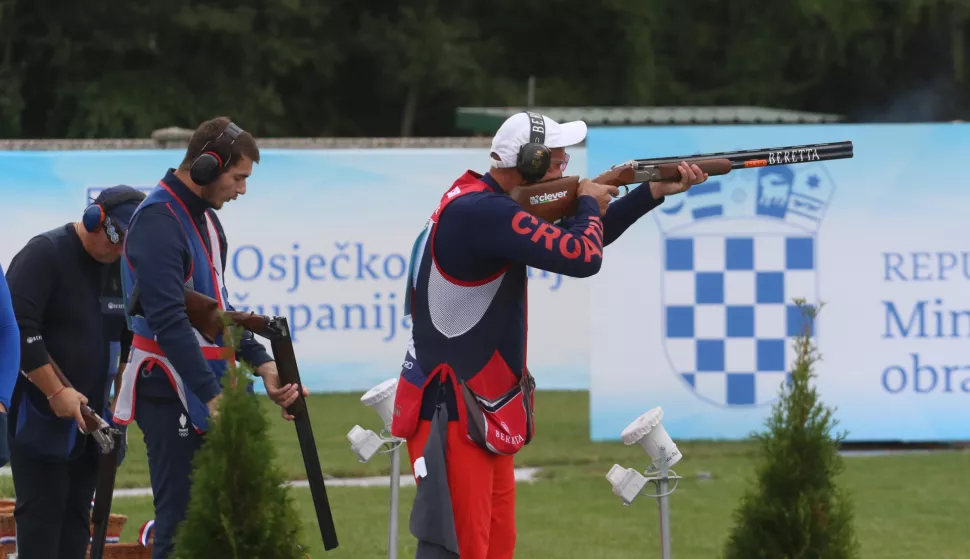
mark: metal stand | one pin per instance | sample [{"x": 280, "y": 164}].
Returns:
[
  {"x": 392, "y": 520},
  {"x": 395, "y": 493},
  {"x": 661, "y": 482}
]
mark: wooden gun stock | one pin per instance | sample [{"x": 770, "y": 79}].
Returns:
[
  {"x": 668, "y": 172},
  {"x": 206, "y": 316},
  {"x": 553, "y": 199}
]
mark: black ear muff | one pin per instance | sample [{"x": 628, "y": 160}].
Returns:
[
  {"x": 533, "y": 161},
  {"x": 210, "y": 164},
  {"x": 206, "y": 168},
  {"x": 534, "y": 158}
]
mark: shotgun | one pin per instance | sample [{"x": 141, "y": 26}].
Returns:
[
  {"x": 205, "y": 316},
  {"x": 109, "y": 440},
  {"x": 104, "y": 494},
  {"x": 554, "y": 199}
]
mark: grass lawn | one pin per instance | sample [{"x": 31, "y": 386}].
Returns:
[{"x": 906, "y": 505}]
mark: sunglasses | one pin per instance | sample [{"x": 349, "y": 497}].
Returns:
[
  {"x": 111, "y": 232},
  {"x": 561, "y": 163}
]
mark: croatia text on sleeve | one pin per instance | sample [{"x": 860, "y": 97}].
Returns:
[
  {"x": 624, "y": 212},
  {"x": 158, "y": 251},
  {"x": 9, "y": 345},
  {"x": 495, "y": 226},
  {"x": 30, "y": 278}
]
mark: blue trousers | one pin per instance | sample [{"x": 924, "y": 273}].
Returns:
[{"x": 170, "y": 446}]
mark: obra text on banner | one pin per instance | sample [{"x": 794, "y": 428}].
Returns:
[{"x": 926, "y": 318}]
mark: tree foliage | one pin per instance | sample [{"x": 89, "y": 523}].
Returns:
[
  {"x": 795, "y": 509},
  {"x": 239, "y": 507},
  {"x": 115, "y": 68}
]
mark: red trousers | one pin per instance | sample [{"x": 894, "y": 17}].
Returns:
[{"x": 482, "y": 487}]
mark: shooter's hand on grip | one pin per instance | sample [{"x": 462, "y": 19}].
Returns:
[
  {"x": 67, "y": 403},
  {"x": 603, "y": 193}
]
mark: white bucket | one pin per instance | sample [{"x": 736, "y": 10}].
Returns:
[
  {"x": 649, "y": 432},
  {"x": 381, "y": 398}
]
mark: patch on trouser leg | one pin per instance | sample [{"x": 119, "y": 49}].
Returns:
[{"x": 171, "y": 446}]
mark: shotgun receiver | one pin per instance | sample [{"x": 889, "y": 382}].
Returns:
[
  {"x": 555, "y": 199},
  {"x": 205, "y": 316}
]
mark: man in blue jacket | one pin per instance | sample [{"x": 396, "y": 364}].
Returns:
[
  {"x": 172, "y": 383},
  {"x": 65, "y": 289}
]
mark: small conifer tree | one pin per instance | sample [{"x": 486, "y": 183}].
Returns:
[
  {"x": 239, "y": 507},
  {"x": 795, "y": 510}
]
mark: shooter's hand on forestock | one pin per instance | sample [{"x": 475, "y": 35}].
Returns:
[
  {"x": 689, "y": 176},
  {"x": 283, "y": 396}
]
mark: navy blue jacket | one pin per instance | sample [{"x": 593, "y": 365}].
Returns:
[
  {"x": 477, "y": 238},
  {"x": 68, "y": 311},
  {"x": 159, "y": 249},
  {"x": 9, "y": 344}
]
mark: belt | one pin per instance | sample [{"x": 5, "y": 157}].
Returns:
[{"x": 211, "y": 353}]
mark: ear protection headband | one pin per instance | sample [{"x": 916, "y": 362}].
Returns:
[
  {"x": 96, "y": 215},
  {"x": 534, "y": 158},
  {"x": 209, "y": 164}
]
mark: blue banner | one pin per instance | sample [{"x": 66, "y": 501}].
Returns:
[
  {"x": 321, "y": 237},
  {"x": 693, "y": 309}
]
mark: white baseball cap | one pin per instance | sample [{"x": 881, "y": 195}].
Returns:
[{"x": 517, "y": 130}]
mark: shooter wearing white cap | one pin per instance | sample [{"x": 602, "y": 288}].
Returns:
[{"x": 464, "y": 399}]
